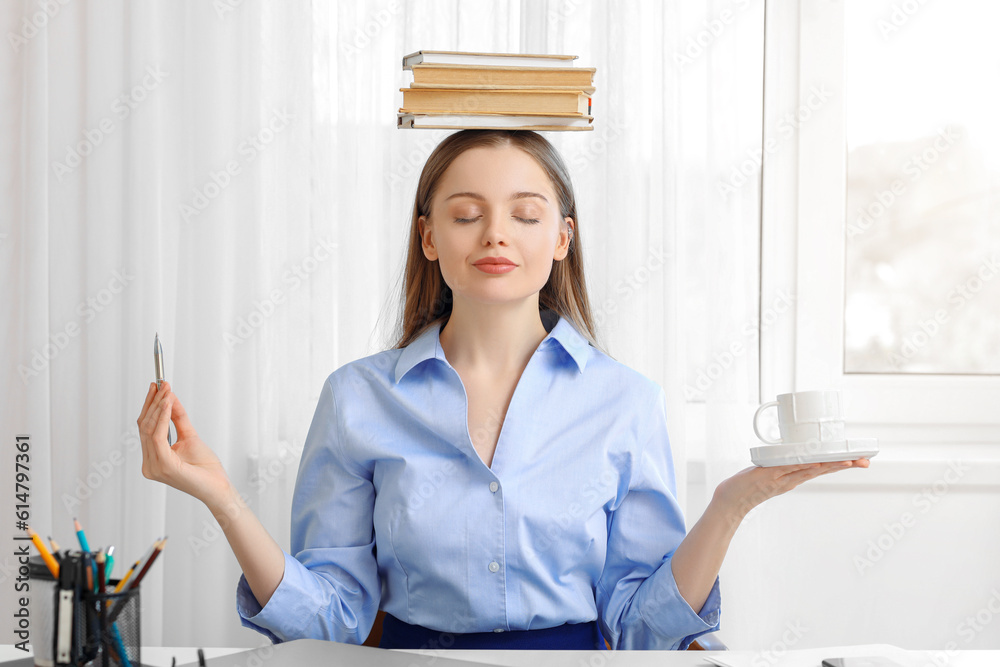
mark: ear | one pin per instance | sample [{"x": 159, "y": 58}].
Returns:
[
  {"x": 565, "y": 240},
  {"x": 426, "y": 238}
]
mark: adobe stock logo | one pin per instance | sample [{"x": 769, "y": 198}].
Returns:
[
  {"x": 87, "y": 310},
  {"x": 924, "y": 501},
  {"x": 38, "y": 22},
  {"x": 788, "y": 125},
  {"x": 121, "y": 107},
  {"x": 726, "y": 357},
  {"x": 363, "y": 35},
  {"x": 220, "y": 179},
  {"x": 263, "y": 309},
  {"x": 711, "y": 30},
  {"x": 915, "y": 166},
  {"x": 899, "y": 16}
]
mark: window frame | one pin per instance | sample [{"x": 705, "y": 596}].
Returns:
[{"x": 803, "y": 237}]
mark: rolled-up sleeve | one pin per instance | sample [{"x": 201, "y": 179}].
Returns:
[
  {"x": 638, "y": 603},
  {"x": 330, "y": 588}
]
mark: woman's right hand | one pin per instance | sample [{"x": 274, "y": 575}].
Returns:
[{"x": 188, "y": 465}]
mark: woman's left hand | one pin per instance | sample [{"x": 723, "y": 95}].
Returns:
[{"x": 739, "y": 494}]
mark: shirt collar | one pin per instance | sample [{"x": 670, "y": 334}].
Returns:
[{"x": 428, "y": 346}]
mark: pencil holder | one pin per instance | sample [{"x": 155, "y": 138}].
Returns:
[
  {"x": 71, "y": 624},
  {"x": 118, "y": 624},
  {"x": 42, "y": 591}
]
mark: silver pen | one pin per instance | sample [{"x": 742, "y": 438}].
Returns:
[{"x": 158, "y": 361}]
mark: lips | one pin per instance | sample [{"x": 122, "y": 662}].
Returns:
[{"x": 494, "y": 260}]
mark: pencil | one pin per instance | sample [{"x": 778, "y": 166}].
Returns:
[
  {"x": 53, "y": 544},
  {"x": 124, "y": 580},
  {"x": 141, "y": 563},
  {"x": 46, "y": 556},
  {"x": 100, "y": 572},
  {"x": 117, "y": 609},
  {"x": 80, "y": 535},
  {"x": 145, "y": 568},
  {"x": 92, "y": 574},
  {"x": 118, "y": 648}
]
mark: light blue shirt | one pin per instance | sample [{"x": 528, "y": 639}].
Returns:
[{"x": 575, "y": 519}]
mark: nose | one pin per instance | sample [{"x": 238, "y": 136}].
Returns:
[{"x": 498, "y": 229}]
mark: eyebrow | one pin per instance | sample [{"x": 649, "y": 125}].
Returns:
[{"x": 516, "y": 195}]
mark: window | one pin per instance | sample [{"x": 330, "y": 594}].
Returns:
[
  {"x": 884, "y": 82},
  {"x": 922, "y": 280}
]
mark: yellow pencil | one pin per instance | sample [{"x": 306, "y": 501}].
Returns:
[
  {"x": 46, "y": 556},
  {"x": 124, "y": 580}
]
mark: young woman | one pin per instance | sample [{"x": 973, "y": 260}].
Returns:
[{"x": 495, "y": 479}]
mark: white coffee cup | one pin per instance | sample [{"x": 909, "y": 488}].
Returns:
[{"x": 805, "y": 416}]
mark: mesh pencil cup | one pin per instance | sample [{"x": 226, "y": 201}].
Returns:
[
  {"x": 98, "y": 630},
  {"x": 41, "y": 606}
]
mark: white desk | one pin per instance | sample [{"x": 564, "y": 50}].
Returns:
[
  {"x": 800, "y": 658},
  {"x": 156, "y": 656}
]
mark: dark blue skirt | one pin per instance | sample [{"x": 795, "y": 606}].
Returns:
[{"x": 568, "y": 637}]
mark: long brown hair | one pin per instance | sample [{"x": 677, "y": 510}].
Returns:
[{"x": 426, "y": 297}]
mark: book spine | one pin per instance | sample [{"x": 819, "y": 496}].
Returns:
[{"x": 418, "y": 100}]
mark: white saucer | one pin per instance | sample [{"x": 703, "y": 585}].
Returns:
[{"x": 850, "y": 449}]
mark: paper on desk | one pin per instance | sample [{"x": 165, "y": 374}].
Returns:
[{"x": 813, "y": 657}]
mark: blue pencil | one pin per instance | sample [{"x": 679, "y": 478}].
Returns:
[
  {"x": 80, "y": 536},
  {"x": 85, "y": 547}
]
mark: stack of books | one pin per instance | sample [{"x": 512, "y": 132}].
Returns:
[{"x": 518, "y": 91}]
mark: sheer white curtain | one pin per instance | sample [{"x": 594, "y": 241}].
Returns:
[{"x": 229, "y": 175}]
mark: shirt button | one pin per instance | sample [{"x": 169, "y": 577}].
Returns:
[
  {"x": 494, "y": 566},
  {"x": 497, "y": 629},
  {"x": 494, "y": 486}
]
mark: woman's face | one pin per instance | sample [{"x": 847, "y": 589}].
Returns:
[{"x": 495, "y": 202}]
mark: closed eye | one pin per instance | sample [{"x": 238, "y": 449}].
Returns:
[{"x": 530, "y": 221}]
